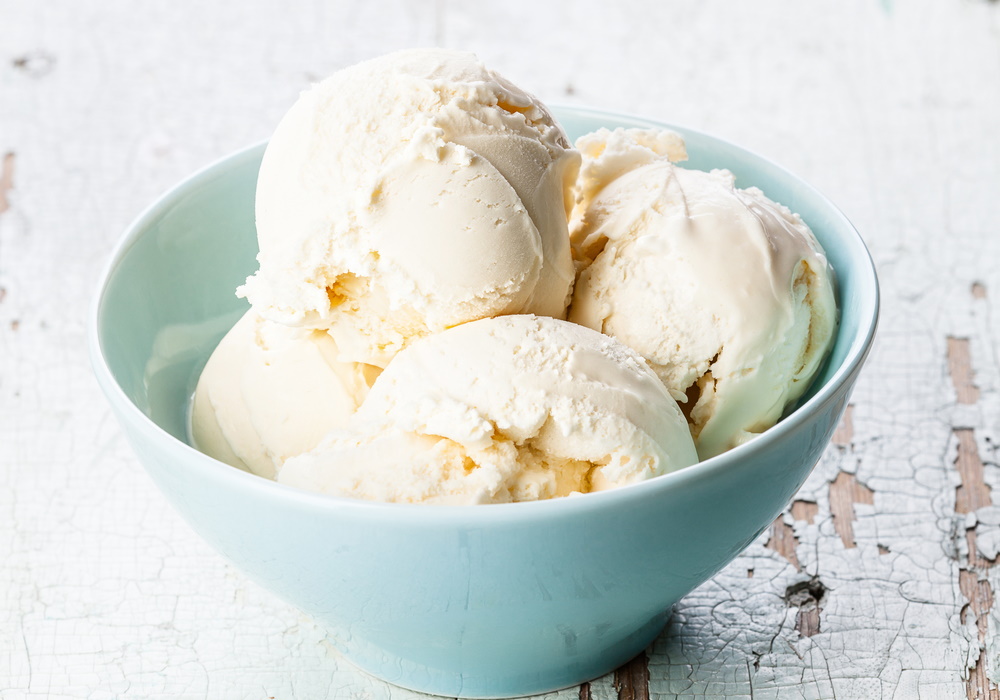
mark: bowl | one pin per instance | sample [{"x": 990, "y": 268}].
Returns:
[{"x": 467, "y": 601}]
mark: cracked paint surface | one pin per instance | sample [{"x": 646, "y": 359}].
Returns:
[{"x": 879, "y": 579}]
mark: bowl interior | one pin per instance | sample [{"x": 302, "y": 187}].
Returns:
[{"x": 169, "y": 290}]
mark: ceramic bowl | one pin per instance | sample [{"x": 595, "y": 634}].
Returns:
[{"x": 470, "y": 601}]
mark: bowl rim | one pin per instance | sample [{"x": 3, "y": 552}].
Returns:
[{"x": 865, "y": 278}]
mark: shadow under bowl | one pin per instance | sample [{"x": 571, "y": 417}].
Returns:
[{"x": 470, "y": 601}]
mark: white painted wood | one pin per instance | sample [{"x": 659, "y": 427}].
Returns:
[{"x": 890, "y": 107}]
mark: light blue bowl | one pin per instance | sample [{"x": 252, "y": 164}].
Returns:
[{"x": 470, "y": 601}]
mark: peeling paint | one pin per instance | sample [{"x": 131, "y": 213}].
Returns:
[
  {"x": 973, "y": 493},
  {"x": 979, "y": 686},
  {"x": 632, "y": 679},
  {"x": 960, "y": 368},
  {"x": 805, "y": 510},
  {"x": 978, "y": 290},
  {"x": 845, "y": 491},
  {"x": 973, "y": 498},
  {"x": 784, "y": 542},
  {"x": 979, "y": 594},
  {"x": 807, "y": 596}
]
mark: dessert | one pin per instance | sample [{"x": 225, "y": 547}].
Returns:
[
  {"x": 408, "y": 194},
  {"x": 515, "y": 408},
  {"x": 725, "y": 293},
  {"x": 422, "y": 223},
  {"x": 269, "y": 392}
]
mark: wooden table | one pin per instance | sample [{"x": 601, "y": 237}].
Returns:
[{"x": 878, "y": 581}]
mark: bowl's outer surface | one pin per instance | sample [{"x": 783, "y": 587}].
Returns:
[{"x": 476, "y": 601}]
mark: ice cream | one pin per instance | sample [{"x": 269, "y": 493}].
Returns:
[
  {"x": 514, "y": 408},
  {"x": 412, "y": 217},
  {"x": 269, "y": 392},
  {"x": 408, "y": 194},
  {"x": 724, "y": 292}
]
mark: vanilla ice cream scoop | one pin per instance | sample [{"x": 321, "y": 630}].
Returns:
[
  {"x": 725, "y": 293},
  {"x": 514, "y": 408},
  {"x": 269, "y": 392},
  {"x": 408, "y": 194}
]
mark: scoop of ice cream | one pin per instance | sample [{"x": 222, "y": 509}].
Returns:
[
  {"x": 514, "y": 408},
  {"x": 408, "y": 194},
  {"x": 727, "y": 294},
  {"x": 269, "y": 392}
]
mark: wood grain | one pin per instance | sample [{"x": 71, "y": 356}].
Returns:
[
  {"x": 805, "y": 510},
  {"x": 960, "y": 368},
  {"x": 632, "y": 679},
  {"x": 784, "y": 542},
  {"x": 973, "y": 492},
  {"x": 845, "y": 491}
]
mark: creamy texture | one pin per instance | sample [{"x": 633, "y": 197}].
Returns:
[
  {"x": 408, "y": 194},
  {"x": 514, "y": 408},
  {"x": 269, "y": 392},
  {"x": 727, "y": 294}
]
